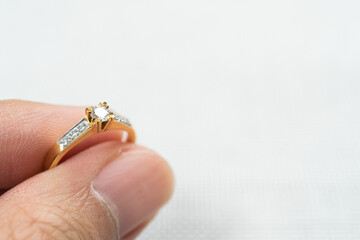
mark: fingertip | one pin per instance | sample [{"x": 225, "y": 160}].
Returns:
[{"x": 136, "y": 184}]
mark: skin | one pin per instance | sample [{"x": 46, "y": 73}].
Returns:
[{"x": 106, "y": 189}]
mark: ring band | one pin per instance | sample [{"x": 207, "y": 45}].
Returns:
[{"x": 97, "y": 119}]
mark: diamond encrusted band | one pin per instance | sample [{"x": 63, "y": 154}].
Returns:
[
  {"x": 97, "y": 119},
  {"x": 80, "y": 128},
  {"x": 73, "y": 133}
]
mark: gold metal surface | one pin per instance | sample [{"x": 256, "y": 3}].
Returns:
[{"x": 55, "y": 154}]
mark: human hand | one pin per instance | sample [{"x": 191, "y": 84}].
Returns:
[{"x": 106, "y": 189}]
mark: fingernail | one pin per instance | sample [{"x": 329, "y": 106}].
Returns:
[{"x": 135, "y": 185}]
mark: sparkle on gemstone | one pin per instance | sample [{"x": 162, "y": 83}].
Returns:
[{"x": 100, "y": 113}]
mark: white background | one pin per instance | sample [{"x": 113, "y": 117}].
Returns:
[{"x": 255, "y": 104}]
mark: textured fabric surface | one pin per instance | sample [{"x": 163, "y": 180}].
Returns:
[{"x": 255, "y": 104}]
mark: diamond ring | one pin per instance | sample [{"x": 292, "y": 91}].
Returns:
[{"x": 97, "y": 119}]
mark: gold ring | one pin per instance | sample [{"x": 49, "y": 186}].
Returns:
[{"x": 97, "y": 119}]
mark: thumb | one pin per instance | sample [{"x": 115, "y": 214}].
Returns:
[{"x": 106, "y": 192}]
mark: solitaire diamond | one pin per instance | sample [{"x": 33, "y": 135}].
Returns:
[{"x": 101, "y": 113}]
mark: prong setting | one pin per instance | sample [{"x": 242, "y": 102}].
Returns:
[{"x": 100, "y": 117}]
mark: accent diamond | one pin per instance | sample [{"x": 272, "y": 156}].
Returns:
[
  {"x": 122, "y": 119},
  {"x": 73, "y": 133}
]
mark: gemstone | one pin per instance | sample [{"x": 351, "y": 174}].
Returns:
[
  {"x": 122, "y": 119},
  {"x": 73, "y": 133},
  {"x": 100, "y": 113}
]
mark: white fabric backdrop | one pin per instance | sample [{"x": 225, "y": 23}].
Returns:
[{"x": 255, "y": 103}]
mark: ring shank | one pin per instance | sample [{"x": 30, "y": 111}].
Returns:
[{"x": 56, "y": 153}]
